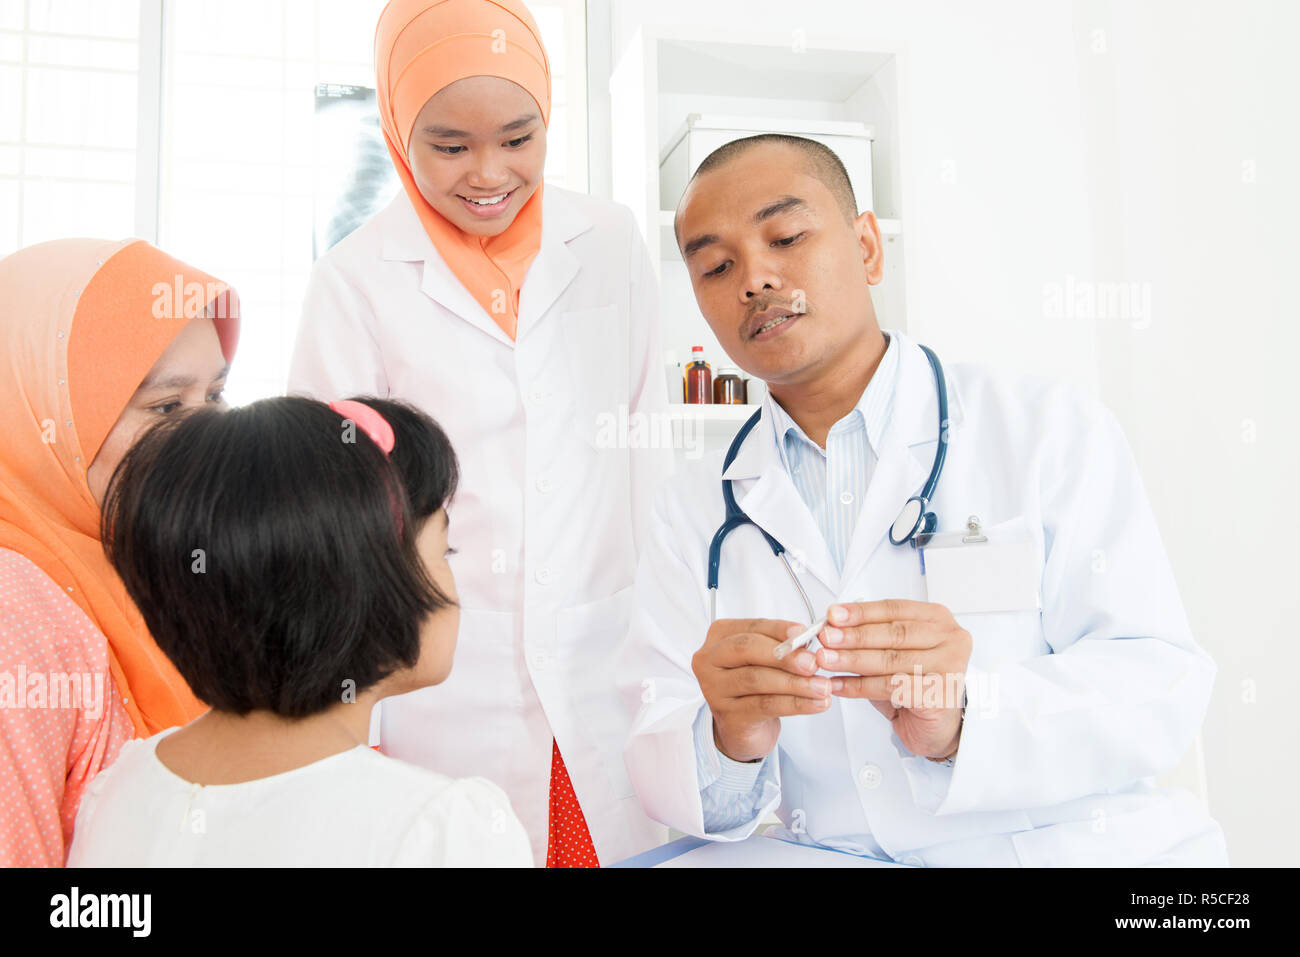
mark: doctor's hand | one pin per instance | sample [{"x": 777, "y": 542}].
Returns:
[
  {"x": 749, "y": 690},
  {"x": 909, "y": 658}
]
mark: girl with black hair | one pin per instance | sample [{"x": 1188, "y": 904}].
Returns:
[{"x": 289, "y": 558}]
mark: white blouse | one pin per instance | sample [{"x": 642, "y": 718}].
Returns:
[{"x": 356, "y": 808}]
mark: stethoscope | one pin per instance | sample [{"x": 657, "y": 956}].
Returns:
[{"x": 912, "y": 521}]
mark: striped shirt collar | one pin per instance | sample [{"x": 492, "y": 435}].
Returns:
[{"x": 872, "y": 410}]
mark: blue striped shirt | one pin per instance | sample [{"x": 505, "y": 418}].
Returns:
[{"x": 832, "y": 482}]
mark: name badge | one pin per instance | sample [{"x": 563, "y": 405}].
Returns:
[{"x": 982, "y": 570}]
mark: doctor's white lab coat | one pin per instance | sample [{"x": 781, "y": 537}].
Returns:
[
  {"x": 1070, "y": 711},
  {"x": 551, "y": 504}
]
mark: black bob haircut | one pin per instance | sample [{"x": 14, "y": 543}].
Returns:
[
  {"x": 272, "y": 548},
  {"x": 821, "y": 161}
]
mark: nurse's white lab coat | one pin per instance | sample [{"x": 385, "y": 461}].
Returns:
[
  {"x": 551, "y": 503},
  {"x": 1070, "y": 711}
]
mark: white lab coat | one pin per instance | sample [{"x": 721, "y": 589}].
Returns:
[
  {"x": 551, "y": 503},
  {"x": 1093, "y": 696}
]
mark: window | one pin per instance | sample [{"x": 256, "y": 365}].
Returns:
[
  {"x": 239, "y": 170},
  {"x": 190, "y": 123},
  {"x": 68, "y": 69}
]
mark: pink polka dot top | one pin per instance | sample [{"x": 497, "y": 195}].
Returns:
[{"x": 61, "y": 714}]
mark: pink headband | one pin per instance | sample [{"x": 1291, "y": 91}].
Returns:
[
  {"x": 380, "y": 432},
  {"x": 371, "y": 422}
]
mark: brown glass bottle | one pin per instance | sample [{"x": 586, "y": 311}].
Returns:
[
  {"x": 729, "y": 387},
  {"x": 698, "y": 385}
]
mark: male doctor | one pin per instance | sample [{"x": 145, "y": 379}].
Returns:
[{"x": 1018, "y": 721}]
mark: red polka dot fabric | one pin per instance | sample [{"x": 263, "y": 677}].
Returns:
[{"x": 568, "y": 842}]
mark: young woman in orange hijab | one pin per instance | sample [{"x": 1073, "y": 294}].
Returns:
[
  {"x": 101, "y": 339},
  {"x": 524, "y": 318}
]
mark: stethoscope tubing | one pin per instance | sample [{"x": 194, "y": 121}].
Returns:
[{"x": 735, "y": 516}]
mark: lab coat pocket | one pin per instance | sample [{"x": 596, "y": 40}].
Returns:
[
  {"x": 588, "y": 638},
  {"x": 996, "y": 568},
  {"x": 1014, "y": 631},
  {"x": 599, "y": 383},
  {"x": 1004, "y": 637}
]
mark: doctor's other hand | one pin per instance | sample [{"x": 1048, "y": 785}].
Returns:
[
  {"x": 749, "y": 690},
  {"x": 909, "y": 658}
]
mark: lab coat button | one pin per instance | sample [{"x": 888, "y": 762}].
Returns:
[
  {"x": 540, "y": 660},
  {"x": 544, "y": 484},
  {"x": 543, "y": 576},
  {"x": 536, "y": 397},
  {"x": 870, "y": 776},
  {"x": 913, "y": 861}
]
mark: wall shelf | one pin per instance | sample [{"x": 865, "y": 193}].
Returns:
[
  {"x": 712, "y": 413},
  {"x": 667, "y": 73}
]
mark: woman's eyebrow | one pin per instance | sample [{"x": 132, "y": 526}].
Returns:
[
  {"x": 178, "y": 381},
  {"x": 449, "y": 132},
  {"x": 519, "y": 123}
]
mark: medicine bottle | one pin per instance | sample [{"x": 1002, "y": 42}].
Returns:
[
  {"x": 729, "y": 387},
  {"x": 698, "y": 384}
]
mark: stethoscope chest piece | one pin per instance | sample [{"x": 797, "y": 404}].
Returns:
[{"x": 912, "y": 520}]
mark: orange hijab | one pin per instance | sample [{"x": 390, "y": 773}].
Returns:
[
  {"x": 422, "y": 46},
  {"x": 82, "y": 322}
]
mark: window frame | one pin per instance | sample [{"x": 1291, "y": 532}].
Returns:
[{"x": 152, "y": 105}]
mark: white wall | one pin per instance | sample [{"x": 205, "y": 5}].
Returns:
[
  {"x": 1041, "y": 156},
  {"x": 993, "y": 186},
  {"x": 1193, "y": 162}
]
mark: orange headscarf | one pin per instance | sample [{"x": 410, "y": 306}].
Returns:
[
  {"x": 422, "y": 46},
  {"x": 82, "y": 322}
]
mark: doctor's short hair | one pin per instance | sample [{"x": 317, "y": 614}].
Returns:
[
  {"x": 271, "y": 548},
  {"x": 822, "y": 163}
]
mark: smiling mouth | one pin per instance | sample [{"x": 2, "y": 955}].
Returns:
[
  {"x": 486, "y": 200},
  {"x": 485, "y": 206}
]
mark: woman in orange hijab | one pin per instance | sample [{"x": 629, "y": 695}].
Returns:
[
  {"x": 524, "y": 318},
  {"x": 101, "y": 339}
]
